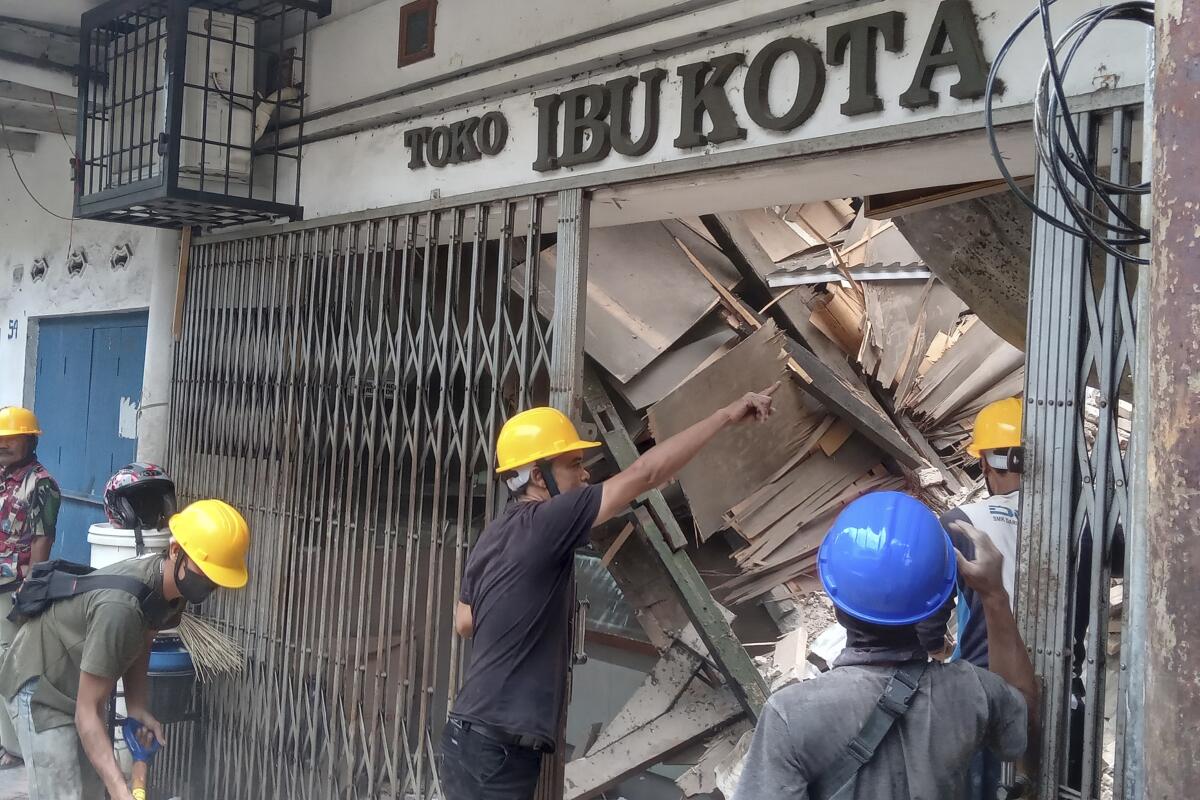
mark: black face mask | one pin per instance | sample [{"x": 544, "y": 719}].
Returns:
[{"x": 194, "y": 586}]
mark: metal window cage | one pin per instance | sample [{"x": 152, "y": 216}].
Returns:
[{"x": 191, "y": 111}]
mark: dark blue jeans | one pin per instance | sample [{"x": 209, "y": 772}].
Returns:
[{"x": 474, "y": 767}]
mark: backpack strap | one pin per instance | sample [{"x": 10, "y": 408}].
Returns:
[
  {"x": 837, "y": 783},
  {"x": 63, "y": 585}
]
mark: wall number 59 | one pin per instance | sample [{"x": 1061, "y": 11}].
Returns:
[{"x": 12, "y": 328}]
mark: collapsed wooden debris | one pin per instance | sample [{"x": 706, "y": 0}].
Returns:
[{"x": 883, "y": 370}]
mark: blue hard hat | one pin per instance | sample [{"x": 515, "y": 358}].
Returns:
[{"x": 887, "y": 560}]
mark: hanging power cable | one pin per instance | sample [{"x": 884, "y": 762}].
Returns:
[
  {"x": 1061, "y": 150},
  {"x": 20, "y": 178}
]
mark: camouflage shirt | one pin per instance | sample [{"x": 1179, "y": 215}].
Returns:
[{"x": 29, "y": 501}]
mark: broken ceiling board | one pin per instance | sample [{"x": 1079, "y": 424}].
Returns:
[
  {"x": 702, "y": 778},
  {"x": 806, "y": 492},
  {"x": 642, "y": 295},
  {"x": 739, "y": 458},
  {"x": 972, "y": 364},
  {"x": 821, "y": 221},
  {"x": 794, "y": 308},
  {"x": 655, "y": 697},
  {"x": 895, "y": 311},
  {"x": 778, "y": 239},
  {"x": 699, "y": 712},
  {"x": 888, "y": 246},
  {"x": 665, "y": 373}
]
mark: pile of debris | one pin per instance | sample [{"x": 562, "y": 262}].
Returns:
[{"x": 884, "y": 370}]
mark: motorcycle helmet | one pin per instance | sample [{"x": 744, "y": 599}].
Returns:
[{"x": 139, "y": 496}]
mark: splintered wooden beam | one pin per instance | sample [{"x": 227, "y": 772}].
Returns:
[{"x": 826, "y": 387}]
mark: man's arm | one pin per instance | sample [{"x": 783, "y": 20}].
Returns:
[
  {"x": 1007, "y": 656},
  {"x": 464, "y": 621},
  {"x": 39, "y": 549},
  {"x": 660, "y": 463},
  {"x": 137, "y": 691},
  {"x": 90, "y": 713},
  {"x": 43, "y": 510}
]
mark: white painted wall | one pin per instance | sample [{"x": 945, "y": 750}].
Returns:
[
  {"x": 27, "y": 233},
  {"x": 355, "y": 56},
  {"x": 369, "y": 169}
]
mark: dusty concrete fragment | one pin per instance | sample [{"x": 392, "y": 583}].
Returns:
[{"x": 980, "y": 249}]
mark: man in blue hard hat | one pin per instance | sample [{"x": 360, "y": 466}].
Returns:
[{"x": 886, "y": 722}]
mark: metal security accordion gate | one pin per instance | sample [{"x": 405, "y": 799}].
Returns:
[
  {"x": 343, "y": 383},
  {"x": 1082, "y": 565}
]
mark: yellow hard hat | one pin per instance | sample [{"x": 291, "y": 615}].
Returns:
[
  {"x": 216, "y": 537},
  {"x": 534, "y": 435},
  {"x": 17, "y": 421},
  {"x": 997, "y": 427}
]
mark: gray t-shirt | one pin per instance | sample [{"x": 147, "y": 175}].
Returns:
[{"x": 805, "y": 728}]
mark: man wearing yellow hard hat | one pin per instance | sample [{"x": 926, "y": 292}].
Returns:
[
  {"x": 29, "y": 502},
  {"x": 996, "y": 442},
  {"x": 515, "y": 600},
  {"x": 62, "y": 667}
]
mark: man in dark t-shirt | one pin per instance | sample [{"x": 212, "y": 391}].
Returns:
[{"x": 515, "y": 602}]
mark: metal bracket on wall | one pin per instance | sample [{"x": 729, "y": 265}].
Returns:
[{"x": 662, "y": 531}]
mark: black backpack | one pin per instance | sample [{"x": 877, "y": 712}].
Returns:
[{"x": 51, "y": 581}]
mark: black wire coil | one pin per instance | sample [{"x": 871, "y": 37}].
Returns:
[{"x": 1060, "y": 150}]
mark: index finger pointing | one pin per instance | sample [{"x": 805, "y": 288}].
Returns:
[{"x": 770, "y": 390}]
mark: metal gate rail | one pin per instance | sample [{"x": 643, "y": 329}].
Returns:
[
  {"x": 1075, "y": 510},
  {"x": 343, "y": 385}
]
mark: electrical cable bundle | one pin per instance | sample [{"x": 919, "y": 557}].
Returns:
[{"x": 1060, "y": 150}]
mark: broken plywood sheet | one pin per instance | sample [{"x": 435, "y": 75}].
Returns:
[
  {"x": 975, "y": 361},
  {"x": 740, "y": 458},
  {"x": 663, "y": 374},
  {"x": 778, "y": 239},
  {"x": 643, "y": 294},
  {"x": 902, "y": 315},
  {"x": 821, "y": 221}
]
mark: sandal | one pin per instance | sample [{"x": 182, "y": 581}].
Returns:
[{"x": 10, "y": 760}]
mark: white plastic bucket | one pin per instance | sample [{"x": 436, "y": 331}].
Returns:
[{"x": 110, "y": 545}]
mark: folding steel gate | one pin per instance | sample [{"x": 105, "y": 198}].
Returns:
[
  {"x": 343, "y": 385},
  {"x": 1080, "y": 526}
]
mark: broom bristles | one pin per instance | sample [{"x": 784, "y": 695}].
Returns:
[{"x": 213, "y": 652}]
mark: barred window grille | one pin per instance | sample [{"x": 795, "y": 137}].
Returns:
[{"x": 192, "y": 110}]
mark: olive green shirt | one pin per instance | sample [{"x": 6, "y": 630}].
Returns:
[{"x": 101, "y": 632}]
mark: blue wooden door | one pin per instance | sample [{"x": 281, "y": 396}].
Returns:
[{"x": 89, "y": 382}]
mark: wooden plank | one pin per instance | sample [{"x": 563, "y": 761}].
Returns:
[
  {"x": 185, "y": 255},
  {"x": 617, "y": 544},
  {"x": 835, "y": 437}
]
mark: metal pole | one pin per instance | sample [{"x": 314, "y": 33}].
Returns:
[
  {"x": 566, "y": 394},
  {"x": 1129, "y": 774},
  {"x": 570, "y": 303},
  {"x": 1173, "y": 457}
]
